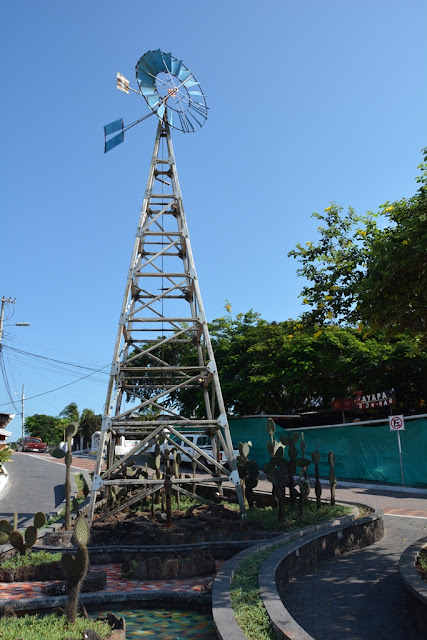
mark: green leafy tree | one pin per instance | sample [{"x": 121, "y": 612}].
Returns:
[
  {"x": 359, "y": 273},
  {"x": 48, "y": 428},
  {"x": 89, "y": 423}
]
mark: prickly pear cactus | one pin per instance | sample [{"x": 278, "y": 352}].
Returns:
[
  {"x": 248, "y": 471},
  {"x": 276, "y": 470},
  {"x": 315, "y": 456},
  {"x": 292, "y": 467},
  {"x": 24, "y": 543},
  {"x": 332, "y": 478}
]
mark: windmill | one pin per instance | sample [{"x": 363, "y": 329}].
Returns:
[{"x": 163, "y": 358}]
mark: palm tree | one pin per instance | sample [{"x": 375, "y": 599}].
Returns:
[{"x": 70, "y": 412}]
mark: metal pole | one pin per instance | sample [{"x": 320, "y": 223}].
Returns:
[
  {"x": 400, "y": 457},
  {"x": 23, "y": 412}
]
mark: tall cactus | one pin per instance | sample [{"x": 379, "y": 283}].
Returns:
[
  {"x": 332, "y": 478},
  {"x": 76, "y": 567},
  {"x": 70, "y": 432},
  {"x": 248, "y": 471}
]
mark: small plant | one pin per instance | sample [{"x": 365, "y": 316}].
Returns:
[
  {"x": 76, "y": 567},
  {"x": 5, "y": 454}
]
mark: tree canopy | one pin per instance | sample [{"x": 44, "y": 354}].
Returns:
[
  {"x": 294, "y": 366},
  {"x": 48, "y": 428},
  {"x": 360, "y": 273}
]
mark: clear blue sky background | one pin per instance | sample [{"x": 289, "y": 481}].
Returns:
[{"x": 310, "y": 102}]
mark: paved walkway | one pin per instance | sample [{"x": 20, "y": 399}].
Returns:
[{"x": 358, "y": 596}]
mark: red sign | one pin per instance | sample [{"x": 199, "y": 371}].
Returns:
[{"x": 364, "y": 401}]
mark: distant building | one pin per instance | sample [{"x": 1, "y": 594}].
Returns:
[{"x": 5, "y": 419}]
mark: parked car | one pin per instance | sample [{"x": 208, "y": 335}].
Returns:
[
  {"x": 34, "y": 444},
  {"x": 203, "y": 442}
]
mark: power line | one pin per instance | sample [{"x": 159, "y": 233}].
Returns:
[{"x": 61, "y": 387}]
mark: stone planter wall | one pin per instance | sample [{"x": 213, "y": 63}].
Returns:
[{"x": 414, "y": 585}]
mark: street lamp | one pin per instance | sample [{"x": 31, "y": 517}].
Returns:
[{"x": 5, "y": 301}]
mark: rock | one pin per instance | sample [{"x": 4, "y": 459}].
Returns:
[
  {"x": 154, "y": 568},
  {"x": 7, "y": 575},
  {"x": 170, "y": 569},
  {"x": 58, "y": 539},
  {"x": 94, "y": 581},
  {"x": 205, "y": 565},
  {"x": 49, "y": 571},
  {"x": 187, "y": 569},
  {"x": 89, "y": 634},
  {"x": 7, "y": 612}
]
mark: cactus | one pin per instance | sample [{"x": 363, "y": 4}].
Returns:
[
  {"x": 276, "y": 470},
  {"x": 248, "y": 471},
  {"x": 175, "y": 466},
  {"x": 332, "y": 478},
  {"x": 70, "y": 432},
  {"x": 303, "y": 463},
  {"x": 5, "y": 531},
  {"x": 22, "y": 543},
  {"x": 154, "y": 463},
  {"x": 76, "y": 567},
  {"x": 315, "y": 456},
  {"x": 292, "y": 467},
  {"x": 273, "y": 445}
]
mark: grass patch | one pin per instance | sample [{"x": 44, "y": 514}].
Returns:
[
  {"x": 422, "y": 559},
  {"x": 268, "y": 520},
  {"x": 246, "y": 600},
  {"x": 50, "y": 627},
  {"x": 33, "y": 559}
]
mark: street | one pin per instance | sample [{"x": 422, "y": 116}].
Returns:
[{"x": 36, "y": 483}]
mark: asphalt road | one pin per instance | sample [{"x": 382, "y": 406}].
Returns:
[{"x": 35, "y": 484}]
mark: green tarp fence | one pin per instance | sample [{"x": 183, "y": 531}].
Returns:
[{"x": 365, "y": 452}]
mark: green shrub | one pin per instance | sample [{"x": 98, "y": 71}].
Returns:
[{"x": 50, "y": 627}]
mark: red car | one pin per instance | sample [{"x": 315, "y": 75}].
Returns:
[{"x": 34, "y": 444}]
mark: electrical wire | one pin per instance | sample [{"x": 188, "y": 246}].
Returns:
[{"x": 44, "y": 393}]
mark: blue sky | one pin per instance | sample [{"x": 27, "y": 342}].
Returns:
[{"x": 310, "y": 102}]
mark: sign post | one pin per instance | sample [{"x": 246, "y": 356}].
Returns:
[{"x": 397, "y": 423}]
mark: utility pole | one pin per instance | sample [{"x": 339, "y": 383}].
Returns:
[
  {"x": 23, "y": 413},
  {"x": 3, "y": 302}
]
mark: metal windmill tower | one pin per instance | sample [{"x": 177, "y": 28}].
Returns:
[{"x": 163, "y": 352}]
